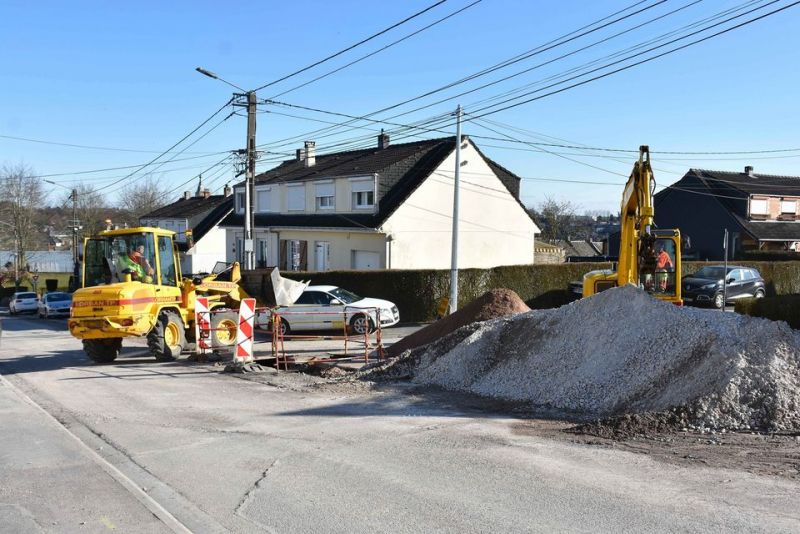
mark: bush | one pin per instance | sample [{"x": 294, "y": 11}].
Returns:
[
  {"x": 778, "y": 308},
  {"x": 417, "y": 292}
]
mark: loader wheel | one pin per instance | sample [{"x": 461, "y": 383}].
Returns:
[
  {"x": 223, "y": 328},
  {"x": 102, "y": 350},
  {"x": 167, "y": 339}
]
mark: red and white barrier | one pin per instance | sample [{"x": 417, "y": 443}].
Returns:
[
  {"x": 244, "y": 334},
  {"x": 202, "y": 325}
]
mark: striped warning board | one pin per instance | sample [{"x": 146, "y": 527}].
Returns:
[
  {"x": 244, "y": 334},
  {"x": 202, "y": 324}
]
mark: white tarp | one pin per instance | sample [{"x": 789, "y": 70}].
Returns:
[{"x": 286, "y": 291}]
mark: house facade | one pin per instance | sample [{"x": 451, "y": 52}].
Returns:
[
  {"x": 387, "y": 207},
  {"x": 760, "y": 211},
  {"x": 195, "y": 220}
]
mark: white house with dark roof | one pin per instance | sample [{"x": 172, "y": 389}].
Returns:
[
  {"x": 195, "y": 219},
  {"x": 760, "y": 211},
  {"x": 387, "y": 207}
]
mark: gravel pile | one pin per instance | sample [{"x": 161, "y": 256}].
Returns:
[
  {"x": 622, "y": 352},
  {"x": 491, "y": 305}
]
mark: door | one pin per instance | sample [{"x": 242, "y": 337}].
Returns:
[
  {"x": 364, "y": 260},
  {"x": 736, "y": 288},
  {"x": 322, "y": 256}
]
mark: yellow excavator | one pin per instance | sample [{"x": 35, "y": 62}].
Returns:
[
  {"x": 649, "y": 258},
  {"x": 132, "y": 286}
]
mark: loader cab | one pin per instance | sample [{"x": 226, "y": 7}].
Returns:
[
  {"x": 145, "y": 255},
  {"x": 659, "y": 266}
]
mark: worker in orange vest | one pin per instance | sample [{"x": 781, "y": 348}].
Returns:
[{"x": 663, "y": 265}]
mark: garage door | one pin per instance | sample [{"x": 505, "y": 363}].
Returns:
[{"x": 363, "y": 259}]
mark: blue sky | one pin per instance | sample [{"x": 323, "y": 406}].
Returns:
[{"x": 121, "y": 75}]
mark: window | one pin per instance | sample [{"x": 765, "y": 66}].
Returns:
[
  {"x": 297, "y": 197},
  {"x": 166, "y": 257},
  {"x": 758, "y": 206},
  {"x": 240, "y": 201},
  {"x": 263, "y": 200},
  {"x": 239, "y": 250},
  {"x": 789, "y": 206},
  {"x": 325, "y": 196},
  {"x": 181, "y": 236},
  {"x": 363, "y": 194},
  {"x": 261, "y": 253},
  {"x": 313, "y": 297},
  {"x": 293, "y": 255}
]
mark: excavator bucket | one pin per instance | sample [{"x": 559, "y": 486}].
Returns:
[{"x": 286, "y": 291}]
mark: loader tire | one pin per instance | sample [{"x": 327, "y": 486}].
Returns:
[
  {"x": 102, "y": 350},
  {"x": 167, "y": 339},
  {"x": 223, "y": 328}
]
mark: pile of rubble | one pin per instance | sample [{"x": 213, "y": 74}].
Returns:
[{"x": 622, "y": 352}]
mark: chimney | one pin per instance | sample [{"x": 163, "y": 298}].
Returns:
[
  {"x": 301, "y": 154},
  {"x": 749, "y": 171},
  {"x": 383, "y": 140},
  {"x": 206, "y": 193},
  {"x": 310, "y": 152},
  {"x": 187, "y": 195},
  {"x": 227, "y": 191}
]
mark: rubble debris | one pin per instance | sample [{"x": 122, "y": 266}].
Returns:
[
  {"x": 623, "y": 352},
  {"x": 490, "y": 305}
]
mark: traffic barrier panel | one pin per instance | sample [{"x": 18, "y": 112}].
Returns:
[{"x": 244, "y": 334}]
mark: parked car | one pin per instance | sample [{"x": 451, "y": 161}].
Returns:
[
  {"x": 54, "y": 304},
  {"x": 20, "y": 302},
  {"x": 705, "y": 286},
  {"x": 331, "y": 308}
]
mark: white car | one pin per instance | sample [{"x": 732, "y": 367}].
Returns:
[
  {"x": 27, "y": 301},
  {"x": 54, "y": 304},
  {"x": 331, "y": 308}
]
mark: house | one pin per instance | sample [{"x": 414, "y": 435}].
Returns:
[
  {"x": 386, "y": 207},
  {"x": 760, "y": 211},
  {"x": 195, "y": 220},
  {"x": 580, "y": 249}
]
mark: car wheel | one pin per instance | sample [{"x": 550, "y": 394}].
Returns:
[
  {"x": 719, "y": 301},
  {"x": 759, "y": 294},
  {"x": 361, "y": 324}
]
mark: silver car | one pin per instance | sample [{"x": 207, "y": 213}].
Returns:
[
  {"x": 54, "y": 304},
  {"x": 21, "y": 302}
]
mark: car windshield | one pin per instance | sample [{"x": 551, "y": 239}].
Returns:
[
  {"x": 710, "y": 273},
  {"x": 58, "y": 297},
  {"x": 26, "y": 295},
  {"x": 344, "y": 295}
]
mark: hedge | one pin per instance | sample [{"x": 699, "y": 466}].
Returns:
[
  {"x": 778, "y": 308},
  {"x": 417, "y": 292}
]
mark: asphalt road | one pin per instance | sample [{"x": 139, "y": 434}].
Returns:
[{"x": 140, "y": 446}]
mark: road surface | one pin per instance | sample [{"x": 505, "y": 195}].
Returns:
[{"x": 141, "y": 446}]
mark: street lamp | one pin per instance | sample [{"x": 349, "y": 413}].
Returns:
[
  {"x": 75, "y": 227},
  {"x": 249, "y": 98}
]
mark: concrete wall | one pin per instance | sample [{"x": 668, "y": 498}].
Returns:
[{"x": 494, "y": 228}]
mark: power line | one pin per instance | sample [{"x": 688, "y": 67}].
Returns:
[
  {"x": 72, "y": 145},
  {"x": 398, "y": 41},
  {"x": 363, "y": 41}
]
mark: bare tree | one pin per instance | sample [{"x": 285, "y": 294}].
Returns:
[
  {"x": 556, "y": 218},
  {"x": 142, "y": 197},
  {"x": 92, "y": 209},
  {"x": 21, "y": 197}
]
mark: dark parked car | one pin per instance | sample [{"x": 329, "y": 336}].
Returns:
[{"x": 705, "y": 286}]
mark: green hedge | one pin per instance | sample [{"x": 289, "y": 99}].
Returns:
[
  {"x": 778, "y": 308},
  {"x": 417, "y": 292}
]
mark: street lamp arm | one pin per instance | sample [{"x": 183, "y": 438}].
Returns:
[{"x": 210, "y": 74}]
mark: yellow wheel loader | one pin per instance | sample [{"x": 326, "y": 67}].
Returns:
[{"x": 132, "y": 286}]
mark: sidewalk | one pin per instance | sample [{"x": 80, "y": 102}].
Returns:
[{"x": 50, "y": 482}]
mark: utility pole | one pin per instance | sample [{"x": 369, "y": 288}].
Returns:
[
  {"x": 248, "y": 255},
  {"x": 454, "y": 248},
  {"x": 75, "y": 262},
  {"x": 249, "y": 197}
]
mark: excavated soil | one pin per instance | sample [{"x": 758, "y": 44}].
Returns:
[
  {"x": 622, "y": 352},
  {"x": 491, "y": 305}
]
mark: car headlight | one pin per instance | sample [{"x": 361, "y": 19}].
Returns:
[{"x": 709, "y": 286}]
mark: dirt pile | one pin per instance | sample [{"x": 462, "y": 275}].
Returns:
[
  {"x": 490, "y": 305},
  {"x": 623, "y": 352}
]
